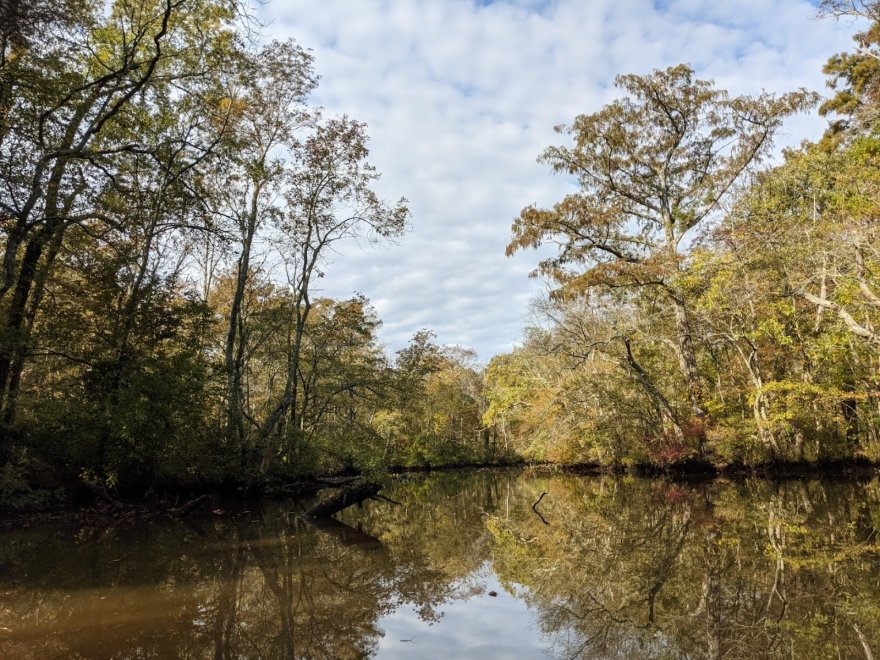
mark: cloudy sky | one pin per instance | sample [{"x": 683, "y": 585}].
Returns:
[{"x": 462, "y": 95}]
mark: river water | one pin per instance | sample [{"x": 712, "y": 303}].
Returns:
[{"x": 462, "y": 565}]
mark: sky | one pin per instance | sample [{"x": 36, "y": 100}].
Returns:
[{"x": 461, "y": 96}]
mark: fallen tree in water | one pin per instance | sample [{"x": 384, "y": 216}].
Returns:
[
  {"x": 188, "y": 507},
  {"x": 342, "y": 500}
]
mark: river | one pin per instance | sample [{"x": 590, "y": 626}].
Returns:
[{"x": 466, "y": 565}]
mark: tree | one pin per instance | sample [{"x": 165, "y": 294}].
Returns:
[
  {"x": 265, "y": 97},
  {"x": 435, "y": 405},
  {"x": 80, "y": 87},
  {"x": 343, "y": 377},
  {"x": 794, "y": 289},
  {"x": 651, "y": 167},
  {"x": 328, "y": 198},
  {"x": 854, "y": 77}
]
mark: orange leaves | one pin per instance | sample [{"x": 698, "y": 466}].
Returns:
[{"x": 651, "y": 166}]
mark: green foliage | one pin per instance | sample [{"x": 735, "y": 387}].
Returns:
[
  {"x": 854, "y": 77},
  {"x": 434, "y": 410},
  {"x": 754, "y": 343},
  {"x": 171, "y": 199},
  {"x": 17, "y": 491}
]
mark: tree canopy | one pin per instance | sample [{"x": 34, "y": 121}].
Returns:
[{"x": 172, "y": 197}]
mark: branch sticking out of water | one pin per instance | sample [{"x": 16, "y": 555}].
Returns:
[
  {"x": 538, "y": 513},
  {"x": 386, "y": 499}
]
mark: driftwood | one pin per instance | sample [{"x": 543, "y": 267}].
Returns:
[
  {"x": 188, "y": 507},
  {"x": 342, "y": 500}
]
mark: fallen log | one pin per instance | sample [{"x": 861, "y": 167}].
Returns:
[
  {"x": 184, "y": 509},
  {"x": 342, "y": 500}
]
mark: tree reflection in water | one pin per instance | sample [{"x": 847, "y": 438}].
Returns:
[
  {"x": 634, "y": 568},
  {"x": 626, "y": 568}
]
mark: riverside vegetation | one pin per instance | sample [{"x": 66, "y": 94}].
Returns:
[{"x": 170, "y": 196}]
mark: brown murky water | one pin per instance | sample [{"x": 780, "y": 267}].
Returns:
[{"x": 463, "y": 567}]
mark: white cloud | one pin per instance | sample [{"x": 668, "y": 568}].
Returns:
[{"x": 461, "y": 97}]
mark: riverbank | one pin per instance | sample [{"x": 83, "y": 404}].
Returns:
[{"x": 85, "y": 506}]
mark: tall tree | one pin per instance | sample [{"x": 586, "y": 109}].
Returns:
[
  {"x": 266, "y": 101},
  {"x": 651, "y": 166},
  {"x": 329, "y": 198}
]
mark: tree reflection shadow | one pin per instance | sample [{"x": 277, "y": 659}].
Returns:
[
  {"x": 638, "y": 568},
  {"x": 628, "y": 568}
]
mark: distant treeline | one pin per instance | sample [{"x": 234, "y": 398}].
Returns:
[{"x": 170, "y": 196}]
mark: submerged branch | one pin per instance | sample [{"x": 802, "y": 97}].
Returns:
[{"x": 538, "y": 513}]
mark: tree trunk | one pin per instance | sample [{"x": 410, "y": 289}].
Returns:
[
  {"x": 759, "y": 406},
  {"x": 670, "y": 419},
  {"x": 14, "y": 327},
  {"x": 234, "y": 353},
  {"x": 288, "y": 401},
  {"x": 687, "y": 358},
  {"x": 343, "y": 500}
]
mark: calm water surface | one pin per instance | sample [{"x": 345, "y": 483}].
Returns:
[{"x": 463, "y": 567}]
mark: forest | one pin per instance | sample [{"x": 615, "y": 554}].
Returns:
[{"x": 170, "y": 197}]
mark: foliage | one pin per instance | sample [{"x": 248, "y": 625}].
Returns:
[
  {"x": 172, "y": 199},
  {"x": 682, "y": 329}
]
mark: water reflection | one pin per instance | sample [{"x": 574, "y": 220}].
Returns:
[{"x": 463, "y": 567}]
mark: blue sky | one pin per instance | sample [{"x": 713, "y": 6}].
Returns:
[{"x": 462, "y": 95}]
